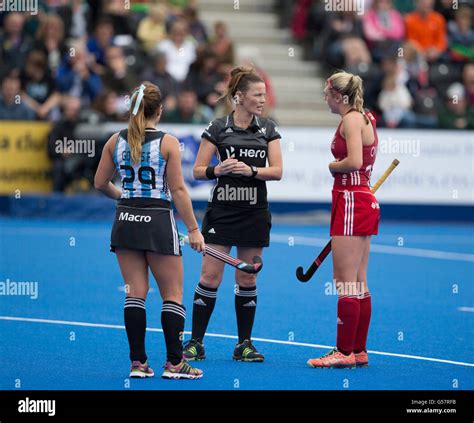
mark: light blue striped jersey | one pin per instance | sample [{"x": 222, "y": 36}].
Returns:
[{"x": 146, "y": 179}]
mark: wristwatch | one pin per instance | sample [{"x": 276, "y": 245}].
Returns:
[{"x": 254, "y": 171}]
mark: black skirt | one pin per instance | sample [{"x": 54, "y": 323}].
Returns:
[
  {"x": 237, "y": 227},
  {"x": 145, "y": 224}
]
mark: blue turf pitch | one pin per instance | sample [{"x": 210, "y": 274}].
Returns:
[{"x": 419, "y": 290}]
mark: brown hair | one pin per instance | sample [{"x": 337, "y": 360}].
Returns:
[
  {"x": 349, "y": 86},
  {"x": 45, "y": 22},
  {"x": 240, "y": 79},
  {"x": 148, "y": 107}
]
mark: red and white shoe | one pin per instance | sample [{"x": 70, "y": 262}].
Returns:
[
  {"x": 334, "y": 359},
  {"x": 362, "y": 359}
]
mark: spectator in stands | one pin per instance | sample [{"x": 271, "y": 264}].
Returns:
[
  {"x": 152, "y": 29},
  {"x": 108, "y": 105},
  {"x": 158, "y": 75},
  {"x": 118, "y": 77},
  {"x": 344, "y": 45},
  {"x": 50, "y": 39},
  {"x": 179, "y": 49},
  {"x": 203, "y": 77},
  {"x": 468, "y": 81},
  {"x": 75, "y": 15},
  {"x": 446, "y": 8},
  {"x": 461, "y": 35},
  {"x": 67, "y": 166},
  {"x": 38, "y": 87},
  {"x": 76, "y": 76},
  {"x": 221, "y": 44},
  {"x": 14, "y": 45},
  {"x": 395, "y": 103},
  {"x": 415, "y": 66},
  {"x": 119, "y": 15},
  {"x": 97, "y": 45},
  {"x": 196, "y": 28},
  {"x": 383, "y": 27},
  {"x": 223, "y": 107},
  {"x": 456, "y": 114},
  {"x": 188, "y": 109},
  {"x": 427, "y": 30},
  {"x": 11, "y": 105}
]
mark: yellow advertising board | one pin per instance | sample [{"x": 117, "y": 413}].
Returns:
[{"x": 24, "y": 162}]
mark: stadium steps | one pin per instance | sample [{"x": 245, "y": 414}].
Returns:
[{"x": 253, "y": 26}]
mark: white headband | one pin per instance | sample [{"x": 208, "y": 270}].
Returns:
[{"x": 141, "y": 92}]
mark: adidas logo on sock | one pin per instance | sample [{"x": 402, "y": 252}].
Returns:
[
  {"x": 200, "y": 302},
  {"x": 251, "y": 304},
  {"x": 211, "y": 231},
  {"x": 339, "y": 321}
]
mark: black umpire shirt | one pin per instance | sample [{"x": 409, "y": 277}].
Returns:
[{"x": 246, "y": 145}]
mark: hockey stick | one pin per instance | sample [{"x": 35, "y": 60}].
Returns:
[
  {"x": 306, "y": 276},
  {"x": 255, "y": 267}
]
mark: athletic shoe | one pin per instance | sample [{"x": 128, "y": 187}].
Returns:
[
  {"x": 334, "y": 359},
  {"x": 183, "y": 370},
  {"x": 247, "y": 352},
  {"x": 194, "y": 350},
  {"x": 362, "y": 359},
  {"x": 141, "y": 370}
]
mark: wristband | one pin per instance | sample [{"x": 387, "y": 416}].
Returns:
[
  {"x": 210, "y": 172},
  {"x": 192, "y": 230}
]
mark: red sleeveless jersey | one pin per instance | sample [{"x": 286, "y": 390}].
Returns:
[{"x": 359, "y": 179}]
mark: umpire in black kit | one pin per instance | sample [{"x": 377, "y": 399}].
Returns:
[{"x": 237, "y": 213}]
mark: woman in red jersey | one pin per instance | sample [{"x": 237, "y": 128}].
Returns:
[{"x": 354, "y": 218}]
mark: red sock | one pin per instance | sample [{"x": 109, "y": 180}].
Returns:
[
  {"x": 364, "y": 322},
  {"x": 347, "y": 319}
]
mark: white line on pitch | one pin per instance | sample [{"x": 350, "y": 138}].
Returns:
[
  {"x": 467, "y": 309},
  {"x": 378, "y": 248},
  {"x": 280, "y": 238},
  {"x": 219, "y": 335}
]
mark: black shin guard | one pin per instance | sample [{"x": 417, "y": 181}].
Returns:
[
  {"x": 135, "y": 324},
  {"x": 203, "y": 305},
  {"x": 173, "y": 316},
  {"x": 245, "y": 307}
]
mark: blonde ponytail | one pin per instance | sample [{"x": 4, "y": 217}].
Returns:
[
  {"x": 136, "y": 134},
  {"x": 145, "y": 103},
  {"x": 351, "y": 87}
]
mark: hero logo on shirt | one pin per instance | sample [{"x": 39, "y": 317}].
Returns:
[{"x": 245, "y": 152}]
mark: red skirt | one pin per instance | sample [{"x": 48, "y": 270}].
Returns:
[{"x": 354, "y": 213}]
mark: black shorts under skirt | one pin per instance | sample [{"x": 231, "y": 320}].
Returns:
[
  {"x": 238, "y": 227},
  {"x": 147, "y": 225}
]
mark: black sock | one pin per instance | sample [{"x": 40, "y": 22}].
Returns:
[
  {"x": 172, "y": 322},
  {"x": 204, "y": 302},
  {"x": 245, "y": 307},
  {"x": 134, "y": 313}
]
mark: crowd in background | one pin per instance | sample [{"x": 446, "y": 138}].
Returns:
[
  {"x": 77, "y": 61},
  {"x": 416, "y": 56}
]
